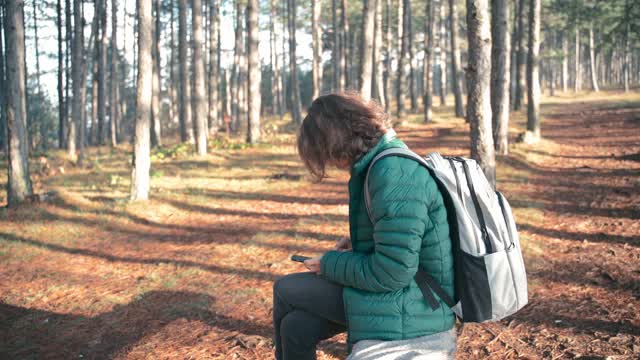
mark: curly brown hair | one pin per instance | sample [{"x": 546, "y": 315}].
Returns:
[{"x": 339, "y": 128}]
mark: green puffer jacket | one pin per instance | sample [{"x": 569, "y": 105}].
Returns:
[{"x": 381, "y": 298}]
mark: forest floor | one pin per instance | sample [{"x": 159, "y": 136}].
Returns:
[{"x": 189, "y": 274}]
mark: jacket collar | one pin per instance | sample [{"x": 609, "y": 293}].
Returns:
[{"x": 363, "y": 161}]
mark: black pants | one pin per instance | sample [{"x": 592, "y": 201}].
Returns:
[{"x": 306, "y": 309}]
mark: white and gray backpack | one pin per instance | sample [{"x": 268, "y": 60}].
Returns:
[{"x": 490, "y": 278}]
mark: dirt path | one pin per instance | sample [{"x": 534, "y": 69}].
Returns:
[{"x": 189, "y": 274}]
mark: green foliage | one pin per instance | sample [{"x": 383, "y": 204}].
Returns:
[{"x": 41, "y": 118}]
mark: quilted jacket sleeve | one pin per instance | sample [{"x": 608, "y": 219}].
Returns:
[{"x": 399, "y": 190}]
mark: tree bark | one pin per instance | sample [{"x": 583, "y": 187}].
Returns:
[
  {"x": 626, "y": 51},
  {"x": 3, "y": 118},
  {"x": 62, "y": 105},
  {"x": 455, "y": 58},
  {"x": 141, "y": 163},
  {"x": 253, "y": 129},
  {"x": 565, "y": 62},
  {"x": 198, "y": 97},
  {"x": 71, "y": 125},
  {"x": 344, "y": 46},
  {"x": 427, "y": 97},
  {"x": 500, "y": 57},
  {"x": 102, "y": 69},
  {"x": 19, "y": 186},
  {"x": 295, "y": 88},
  {"x": 156, "y": 126},
  {"x": 592, "y": 61},
  {"x": 173, "y": 108},
  {"x": 275, "y": 65},
  {"x": 388, "y": 46},
  {"x": 214, "y": 67},
  {"x": 521, "y": 64},
  {"x": 404, "y": 46},
  {"x": 442, "y": 44},
  {"x": 316, "y": 34},
  {"x": 77, "y": 70},
  {"x": 479, "y": 74},
  {"x": 115, "y": 79},
  {"x": 378, "y": 61},
  {"x": 412, "y": 71},
  {"x": 366, "y": 48},
  {"x": 335, "y": 50},
  {"x": 533, "y": 79},
  {"x": 186, "y": 130},
  {"x": 577, "y": 84}
]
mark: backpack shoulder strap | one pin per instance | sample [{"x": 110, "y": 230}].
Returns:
[{"x": 396, "y": 151}]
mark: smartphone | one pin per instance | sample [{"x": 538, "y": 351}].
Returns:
[{"x": 300, "y": 258}]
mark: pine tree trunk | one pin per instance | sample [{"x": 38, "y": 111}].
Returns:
[
  {"x": 344, "y": 46},
  {"x": 479, "y": 79},
  {"x": 198, "y": 97},
  {"x": 442, "y": 44},
  {"x": 500, "y": 57},
  {"x": 625, "y": 56},
  {"x": 186, "y": 130},
  {"x": 404, "y": 46},
  {"x": 214, "y": 67},
  {"x": 366, "y": 48},
  {"x": 62, "y": 105},
  {"x": 521, "y": 66},
  {"x": 533, "y": 89},
  {"x": 77, "y": 70},
  {"x": 388, "y": 46},
  {"x": 295, "y": 88},
  {"x": 316, "y": 35},
  {"x": 577, "y": 85},
  {"x": 37, "y": 48},
  {"x": 156, "y": 126},
  {"x": 592, "y": 61},
  {"x": 254, "y": 72},
  {"x": 93, "y": 130},
  {"x": 18, "y": 182},
  {"x": 378, "y": 61},
  {"x": 113, "y": 102},
  {"x": 275, "y": 66},
  {"x": 285, "y": 54},
  {"x": 335, "y": 50},
  {"x": 71, "y": 135},
  {"x": 141, "y": 163},
  {"x": 565, "y": 62},
  {"x": 455, "y": 58},
  {"x": 3, "y": 118},
  {"x": 102, "y": 68},
  {"x": 173, "y": 108},
  {"x": 412, "y": 71},
  {"x": 427, "y": 97}
]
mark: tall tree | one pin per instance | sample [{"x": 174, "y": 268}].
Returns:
[
  {"x": 378, "y": 61},
  {"x": 70, "y": 126},
  {"x": 36, "y": 46},
  {"x": 344, "y": 46},
  {"x": 577, "y": 84},
  {"x": 412, "y": 72},
  {"x": 3, "y": 118},
  {"x": 533, "y": 78},
  {"x": 77, "y": 70},
  {"x": 62, "y": 105},
  {"x": 276, "y": 71},
  {"x": 592, "y": 61},
  {"x": 404, "y": 47},
  {"x": 102, "y": 68},
  {"x": 295, "y": 88},
  {"x": 316, "y": 34},
  {"x": 253, "y": 124},
  {"x": 186, "y": 130},
  {"x": 455, "y": 59},
  {"x": 238, "y": 70},
  {"x": 479, "y": 79},
  {"x": 500, "y": 57},
  {"x": 18, "y": 182},
  {"x": 198, "y": 97},
  {"x": 214, "y": 66},
  {"x": 520, "y": 59},
  {"x": 141, "y": 163},
  {"x": 115, "y": 79},
  {"x": 388, "y": 50},
  {"x": 156, "y": 126},
  {"x": 565, "y": 62},
  {"x": 442, "y": 58},
  {"x": 335, "y": 50},
  {"x": 427, "y": 96},
  {"x": 626, "y": 50},
  {"x": 173, "y": 76},
  {"x": 366, "y": 48}
]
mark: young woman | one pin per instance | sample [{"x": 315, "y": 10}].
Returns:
[{"x": 366, "y": 285}]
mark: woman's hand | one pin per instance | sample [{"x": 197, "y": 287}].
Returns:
[
  {"x": 313, "y": 264},
  {"x": 344, "y": 244}
]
